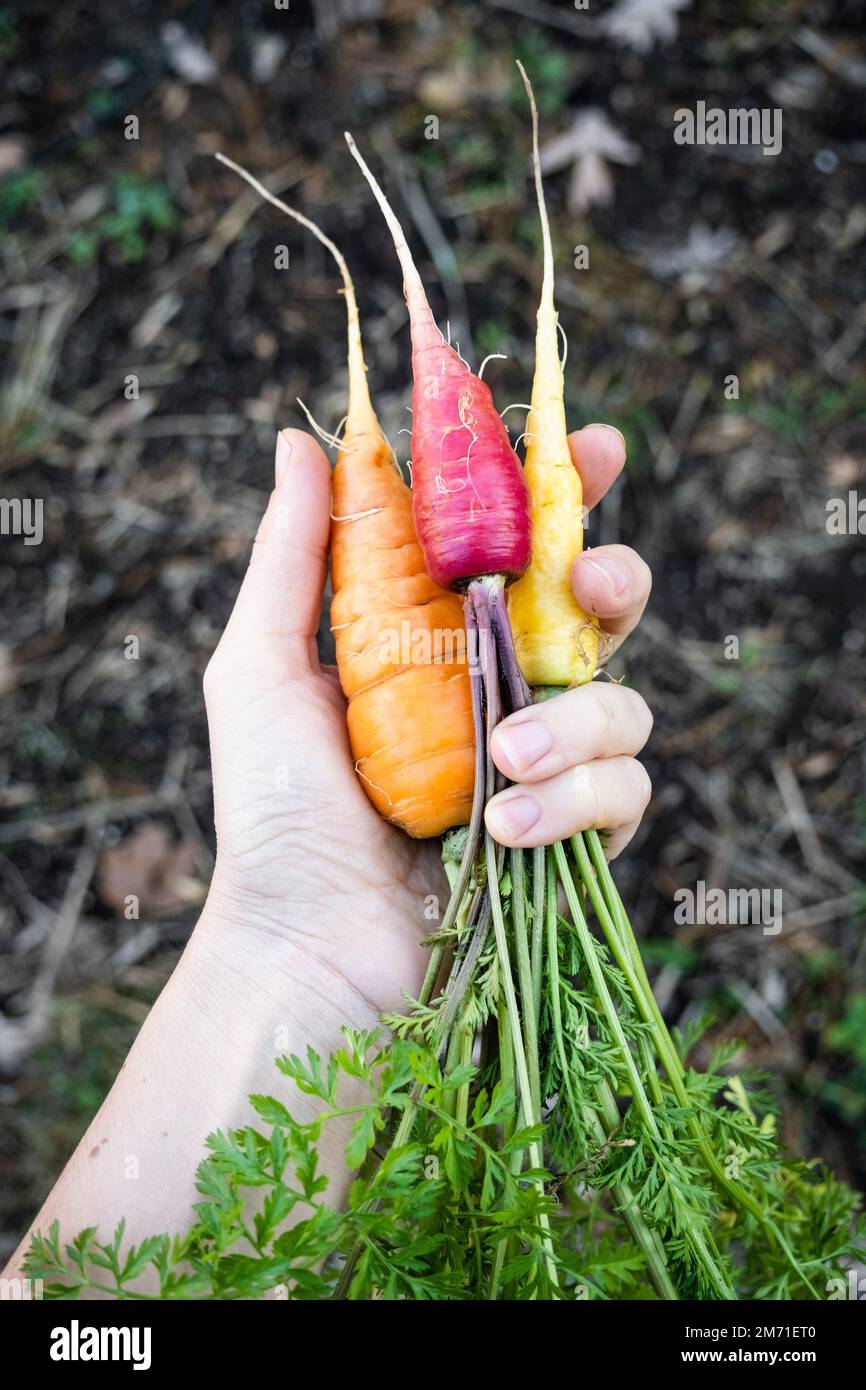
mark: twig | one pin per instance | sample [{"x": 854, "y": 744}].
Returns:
[
  {"x": 58, "y": 943},
  {"x": 553, "y": 15},
  {"x": 670, "y": 450},
  {"x": 801, "y": 823},
  {"x": 851, "y": 70}
]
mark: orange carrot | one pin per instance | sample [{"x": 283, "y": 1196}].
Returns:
[
  {"x": 410, "y": 712},
  {"x": 400, "y": 638}
]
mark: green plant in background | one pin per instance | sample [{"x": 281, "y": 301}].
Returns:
[
  {"x": 805, "y": 405},
  {"x": 667, "y": 951},
  {"x": 847, "y": 1037},
  {"x": 18, "y": 192},
  {"x": 490, "y": 335},
  {"x": 99, "y": 102},
  {"x": 730, "y": 679},
  {"x": 550, "y": 70},
  {"x": 137, "y": 206},
  {"x": 7, "y": 32}
]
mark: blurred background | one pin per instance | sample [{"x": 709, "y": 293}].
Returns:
[{"x": 716, "y": 315}]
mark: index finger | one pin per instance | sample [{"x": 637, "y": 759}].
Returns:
[{"x": 599, "y": 457}]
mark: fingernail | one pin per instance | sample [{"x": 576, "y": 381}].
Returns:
[
  {"x": 615, "y": 575},
  {"x": 601, "y": 425},
  {"x": 281, "y": 461},
  {"x": 512, "y": 816},
  {"x": 523, "y": 744}
]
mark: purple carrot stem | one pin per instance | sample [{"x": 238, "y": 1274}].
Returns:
[
  {"x": 518, "y": 691},
  {"x": 461, "y": 979},
  {"x": 479, "y": 796},
  {"x": 480, "y": 596}
]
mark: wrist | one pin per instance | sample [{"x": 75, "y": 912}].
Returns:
[
  {"x": 271, "y": 974},
  {"x": 352, "y": 936}
]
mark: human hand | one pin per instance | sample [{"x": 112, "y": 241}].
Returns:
[
  {"x": 301, "y": 852},
  {"x": 316, "y": 909},
  {"x": 572, "y": 758}
]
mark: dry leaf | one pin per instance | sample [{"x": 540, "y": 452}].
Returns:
[
  {"x": 13, "y": 152},
  {"x": 639, "y": 24},
  {"x": 843, "y": 470},
  {"x": 268, "y": 52},
  {"x": 819, "y": 764},
  {"x": 697, "y": 261},
  {"x": 188, "y": 56},
  {"x": 149, "y": 866},
  {"x": 586, "y": 146}
]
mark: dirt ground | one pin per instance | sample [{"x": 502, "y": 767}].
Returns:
[{"x": 717, "y": 316}]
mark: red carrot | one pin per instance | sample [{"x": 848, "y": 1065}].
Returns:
[{"x": 471, "y": 503}]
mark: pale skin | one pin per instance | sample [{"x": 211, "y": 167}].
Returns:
[{"x": 316, "y": 909}]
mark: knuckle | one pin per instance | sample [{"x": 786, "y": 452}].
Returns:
[
  {"x": 622, "y": 719},
  {"x": 642, "y": 715},
  {"x": 643, "y": 575},
  {"x": 588, "y": 794},
  {"x": 607, "y": 714},
  {"x": 641, "y": 783}
]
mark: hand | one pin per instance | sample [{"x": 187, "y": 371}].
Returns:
[
  {"x": 572, "y": 758},
  {"x": 316, "y": 909},
  {"x": 301, "y": 851}
]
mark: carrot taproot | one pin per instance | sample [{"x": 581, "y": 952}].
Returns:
[
  {"x": 400, "y": 637},
  {"x": 471, "y": 503},
  {"x": 555, "y": 640}
]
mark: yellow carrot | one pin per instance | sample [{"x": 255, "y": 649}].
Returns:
[{"x": 556, "y": 642}]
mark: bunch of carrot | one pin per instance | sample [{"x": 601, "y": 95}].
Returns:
[{"x": 483, "y": 542}]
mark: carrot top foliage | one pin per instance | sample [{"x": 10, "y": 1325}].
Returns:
[{"x": 434, "y": 1216}]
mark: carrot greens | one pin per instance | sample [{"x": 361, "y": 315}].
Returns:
[{"x": 446, "y": 1215}]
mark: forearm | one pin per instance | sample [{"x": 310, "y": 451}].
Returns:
[{"x": 239, "y": 997}]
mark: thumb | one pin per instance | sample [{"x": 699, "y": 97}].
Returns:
[{"x": 281, "y": 594}]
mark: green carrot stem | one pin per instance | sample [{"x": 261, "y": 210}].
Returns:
[
  {"x": 652, "y": 1014},
  {"x": 539, "y": 858},
  {"x": 528, "y": 1116},
  {"x": 467, "y": 1041},
  {"x": 643, "y": 1236},
  {"x": 621, "y": 919},
  {"x": 506, "y": 1068},
  {"x": 431, "y": 975},
  {"x": 599, "y": 983},
  {"x": 525, "y": 978},
  {"x": 554, "y": 989},
  {"x": 506, "y": 1072},
  {"x": 639, "y": 1095},
  {"x": 482, "y": 610},
  {"x": 452, "y": 1057},
  {"x": 649, "y": 1010},
  {"x": 647, "y": 1240},
  {"x": 485, "y": 597}
]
